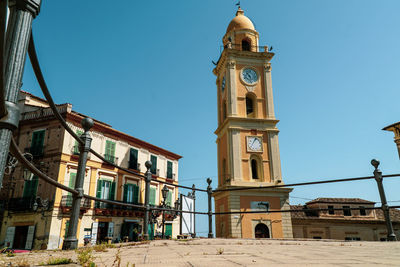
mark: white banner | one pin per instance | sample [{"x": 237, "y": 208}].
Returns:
[
  {"x": 95, "y": 226},
  {"x": 187, "y": 218}
]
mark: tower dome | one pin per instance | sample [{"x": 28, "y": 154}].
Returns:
[{"x": 240, "y": 22}]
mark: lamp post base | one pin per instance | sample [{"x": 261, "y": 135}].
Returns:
[{"x": 70, "y": 244}]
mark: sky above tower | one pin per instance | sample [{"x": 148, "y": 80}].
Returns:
[{"x": 145, "y": 68}]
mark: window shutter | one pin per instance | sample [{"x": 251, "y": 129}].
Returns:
[
  {"x": 135, "y": 194},
  {"x": 153, "y": 168},
  {"x": 133, "y": 158},
  {"x": 35, "y": 182},
  {"x": 66, "y": 228},
  {"x": 72, "y": 179},
  {"x": 99, "y": 186},
  {"x": 152, "y": 196},
  {"x": 27, "y": 189},
  {"x": 112, "y": 149},
  {"x": 125, "y": 193},
  {"x": 112, "y": 191},
  {"x": 169, "y": 169},
  {"x": 169, "y": 198}
]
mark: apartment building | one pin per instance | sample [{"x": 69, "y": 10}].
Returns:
[
  {"x": 35, "y": 215},
  {"x": 354, "y": 222}
]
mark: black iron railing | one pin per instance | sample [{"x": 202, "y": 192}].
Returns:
[
  {"x": 21, "y": 203},
  {"x": 66, "y": 201},
  {"x": 36, "y": 151}
]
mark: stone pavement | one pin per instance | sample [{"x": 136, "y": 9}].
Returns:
[{"x": 246, "y": 252}]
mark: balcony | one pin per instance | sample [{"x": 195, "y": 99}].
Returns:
[
  {"x": 36, "y": 151},
  {"x": 107, "y": 209},
  {"x": 21, "y": 203},
  {"x": 111, "y": 159},
  {"x": 66, "y": 204},
  {"x": 134, "y": 166}
]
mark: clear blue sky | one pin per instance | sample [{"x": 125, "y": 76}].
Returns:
[{"x": 145, "y": 68}]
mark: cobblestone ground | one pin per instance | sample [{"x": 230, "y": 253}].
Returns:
[{"x": 234, "y": 252}]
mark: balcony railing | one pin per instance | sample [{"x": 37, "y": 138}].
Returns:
[
  {"x": 110, "y": 158},
  {"x": 134, "y": 165},
  {"x": 107, "y": 209},
  {"x": 66, "y": 201},
  {"x": 21, "y": 203},
  {"x": 36, "y": 151}
]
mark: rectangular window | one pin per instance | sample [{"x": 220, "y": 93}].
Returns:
[
  {"x": 105, "y": 190},
  {"x": 110, "y": 151},
  {"x": 153, "y": 168},
  {"x": 152, "y": 199},
  {"x": 346, "y": 211},
  {"x": 331, "y": 211},
  {"x": 75, "y": 150},
  {"x": 133, "y": 159},
  {"x": 169, "y": 169},
  {"x": 37, "y": 143},
  {"x": 30, "y": 187},
  {"x": 363, "y": 212},
  {"x": 131, "y": 193}
]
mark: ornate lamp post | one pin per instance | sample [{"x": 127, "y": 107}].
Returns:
[{"x": 164, "y": 192}]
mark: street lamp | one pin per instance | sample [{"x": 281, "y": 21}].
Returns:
[{"x": 164, "y": 192}]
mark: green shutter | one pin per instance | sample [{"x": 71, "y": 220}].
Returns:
[
  {"x": 168, "y": 229},
  {"x": 169, "y": 169},
  {"x": 153, "y": 168},
  {"x": 133, "y": 158},
  {"x": 135, "y": 194},
  {"x": 76, "y": 147},
  {"x": 37, "y": 143},
  {"x": 152, "y": 200},
  {"x": 112, "y": 191},
  {"x": 125, "y": 193},
  {"x": 30, "y": 187},
  {"x": 66, "y": 229},
  {"x": 151, "y": 231},
  {"x": 169, "y": 198},
  {"x": 98, "y": 192}
]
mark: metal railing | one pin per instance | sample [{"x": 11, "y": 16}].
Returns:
[
  {"x": 110, "y": 158},
  {"x": 21, "y": 203},
  {"x": 66, "y": 201}
]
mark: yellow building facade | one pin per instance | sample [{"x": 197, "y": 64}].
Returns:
[{"x": 247, "y": 138}]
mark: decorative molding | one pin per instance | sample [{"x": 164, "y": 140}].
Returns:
[
  {"x": 250, "y": 88},
  {"x": 267, "y": 67},
  {"x": 231, "y": 64}
]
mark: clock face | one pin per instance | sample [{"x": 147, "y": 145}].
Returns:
[
  {"x": 254, "y": 143},
  {"x": 249, "y": 76},
  {"x": 223, "y": 84}
]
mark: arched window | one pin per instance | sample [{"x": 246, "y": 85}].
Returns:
[
  {"x": 254, "y": 169},
  {"x": 250, "y": 111},
  {"x": 246, "y": 45}
]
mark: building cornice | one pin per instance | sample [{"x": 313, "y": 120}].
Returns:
[{"x": 247, "y": 124}]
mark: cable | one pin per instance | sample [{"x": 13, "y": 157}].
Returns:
[
  {"x": 306, "y": 183},
  {"x": 39, "y": 76}
]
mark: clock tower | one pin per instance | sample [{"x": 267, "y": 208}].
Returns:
[{"x": 247, "y": 138}]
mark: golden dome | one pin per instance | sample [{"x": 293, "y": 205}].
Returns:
[{"x": 240, "y": 22}]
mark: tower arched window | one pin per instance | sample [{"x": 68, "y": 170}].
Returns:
[
  {"x": 256, "y": 171},
  {"x": 246, "y": 45},
  {"x": 250, "y": 109}
]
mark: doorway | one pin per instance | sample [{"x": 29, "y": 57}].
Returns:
[
  {"x": 102, "y": 232},
  {"x": 21, "y": 234},
  {"x": 261, "y": 231}
]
